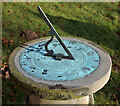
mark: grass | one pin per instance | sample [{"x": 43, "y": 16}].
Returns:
[{"x": 97, "y": 22}]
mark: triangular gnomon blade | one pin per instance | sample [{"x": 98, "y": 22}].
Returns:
[{"x": 58, "y": 56}]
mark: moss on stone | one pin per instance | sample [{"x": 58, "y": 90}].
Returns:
[{"x": 41, "y": 93}]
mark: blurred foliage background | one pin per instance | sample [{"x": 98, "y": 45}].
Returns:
[{"x": 97, "y": 22}]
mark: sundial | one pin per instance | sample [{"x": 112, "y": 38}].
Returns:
[{"x": 68, "y": 61}]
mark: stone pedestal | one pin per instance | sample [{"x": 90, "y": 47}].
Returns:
[
  {"x": 61, "y": 92},
  {"x": 83, "y": 100}
]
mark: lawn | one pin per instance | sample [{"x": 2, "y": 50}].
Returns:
[{"x": 97, "y": 22}]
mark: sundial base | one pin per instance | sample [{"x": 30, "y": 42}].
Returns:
[
  {"x": 75, "y": 88},
  {"x": 83, "y": 100}
]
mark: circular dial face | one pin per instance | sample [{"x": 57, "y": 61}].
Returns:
[{"x": 33, "y": 61}]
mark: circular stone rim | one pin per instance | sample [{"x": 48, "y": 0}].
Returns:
[{"x": 94, "y": 81}]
